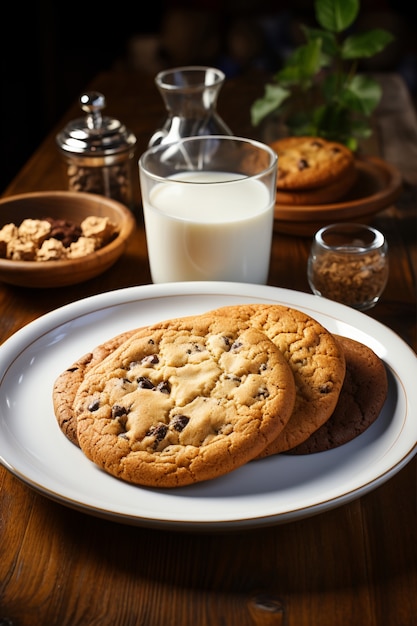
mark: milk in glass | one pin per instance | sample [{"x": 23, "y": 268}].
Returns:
[{"x": 209, "y": 226}]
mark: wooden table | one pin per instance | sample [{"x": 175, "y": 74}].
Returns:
[{"x": 355, "y": 564}]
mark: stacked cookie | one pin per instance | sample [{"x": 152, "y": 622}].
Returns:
[
  {"x": 312, "y": 170},
  {"x": 193, "y": 398}
]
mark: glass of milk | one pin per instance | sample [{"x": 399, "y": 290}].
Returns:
[{"x": 208, "y": 204}]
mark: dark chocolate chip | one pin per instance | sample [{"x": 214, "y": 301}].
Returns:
[
  {"x": 94, "y": 406},
  {"x": 179, "y": 422},
  {"x": 326, "y": 388},
  {"x": 235, "y": 379},
  {"x": 195, "y": 348},
  {"x": 159, "y": 432},
  {"x": 163, "y": 387},
  {"x": 65, "y": 231},
  {"x": 303, "y": 164},
  {"x": 144, "y": 383},
  {"x": 151, "y": 359},
  {"x": 118, "y": 410}
]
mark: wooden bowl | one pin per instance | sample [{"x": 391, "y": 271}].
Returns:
[{"x": 73, "y": 206}]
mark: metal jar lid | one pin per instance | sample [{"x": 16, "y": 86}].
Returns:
[{"x": 95, "y": 135}]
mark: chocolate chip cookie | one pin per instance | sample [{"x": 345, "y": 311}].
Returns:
[
  {"x": 361, "y": 399},
  {"x": 310, "y": 162},
  {"x": 315, "y": 358},
  {"x": 66, "y": 385},
  {"x": 184, "y": 401},
  {"x": 326, "y": 194}
]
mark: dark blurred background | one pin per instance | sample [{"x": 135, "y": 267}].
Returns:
[{"x": 50, "y": 51}]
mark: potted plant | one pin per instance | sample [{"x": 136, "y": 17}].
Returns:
[{"x": 319, "y": 91}]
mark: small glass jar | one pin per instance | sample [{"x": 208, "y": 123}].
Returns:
[
  {"x": 349, "y": 263},
  {"x": 98, "y": 151}
]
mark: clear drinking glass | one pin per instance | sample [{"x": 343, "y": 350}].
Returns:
[
  {"x": 190, "y": 96},
  {"x": 208, "y": 206},
  {"x": 349, "y": 263}
]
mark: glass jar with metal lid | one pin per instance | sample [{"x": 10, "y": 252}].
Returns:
[{"x": 98, "y": 152}]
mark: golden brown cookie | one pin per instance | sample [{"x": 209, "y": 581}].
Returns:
[
  {"x": 184, "y": 401},
  {"x": 310, "y": 162},
  {"x": 66, "y": 385},
  {"x": 361, "y": 399},
  {"x": 315, "y": 358},
  {"x": 319, "y": 195}
]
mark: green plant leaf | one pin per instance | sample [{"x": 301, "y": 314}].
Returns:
[
  {"x": 303, "y": 63},
  {"x": 329, "y": 43},
  {"x": 332, "y": 120},
  {"x": 318, "y": 91},
  {"x": 362, "y": 94},
  {"x": 289, "y": 75},
  {"x": 333, "y": 85},
  {"x": 336, "y": 15},
  {"x": 365, "y": 45},
  {"x": 273, "y": 98}
]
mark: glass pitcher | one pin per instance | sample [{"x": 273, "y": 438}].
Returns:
[{"x": 190, "y": 97}]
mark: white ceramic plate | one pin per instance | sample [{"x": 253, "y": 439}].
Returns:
[{"x": 264, "y": 492}]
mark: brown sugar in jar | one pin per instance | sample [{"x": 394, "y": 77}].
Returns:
[{"x": 348, "y": 263}]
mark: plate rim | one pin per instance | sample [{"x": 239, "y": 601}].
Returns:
[{"x": 20, "y": 341}]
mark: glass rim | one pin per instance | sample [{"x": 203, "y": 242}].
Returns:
[
  {"x": 202, "y": 138},
  {"x": 160, "y": 78},
  {"x": 377, "y": 242}
]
